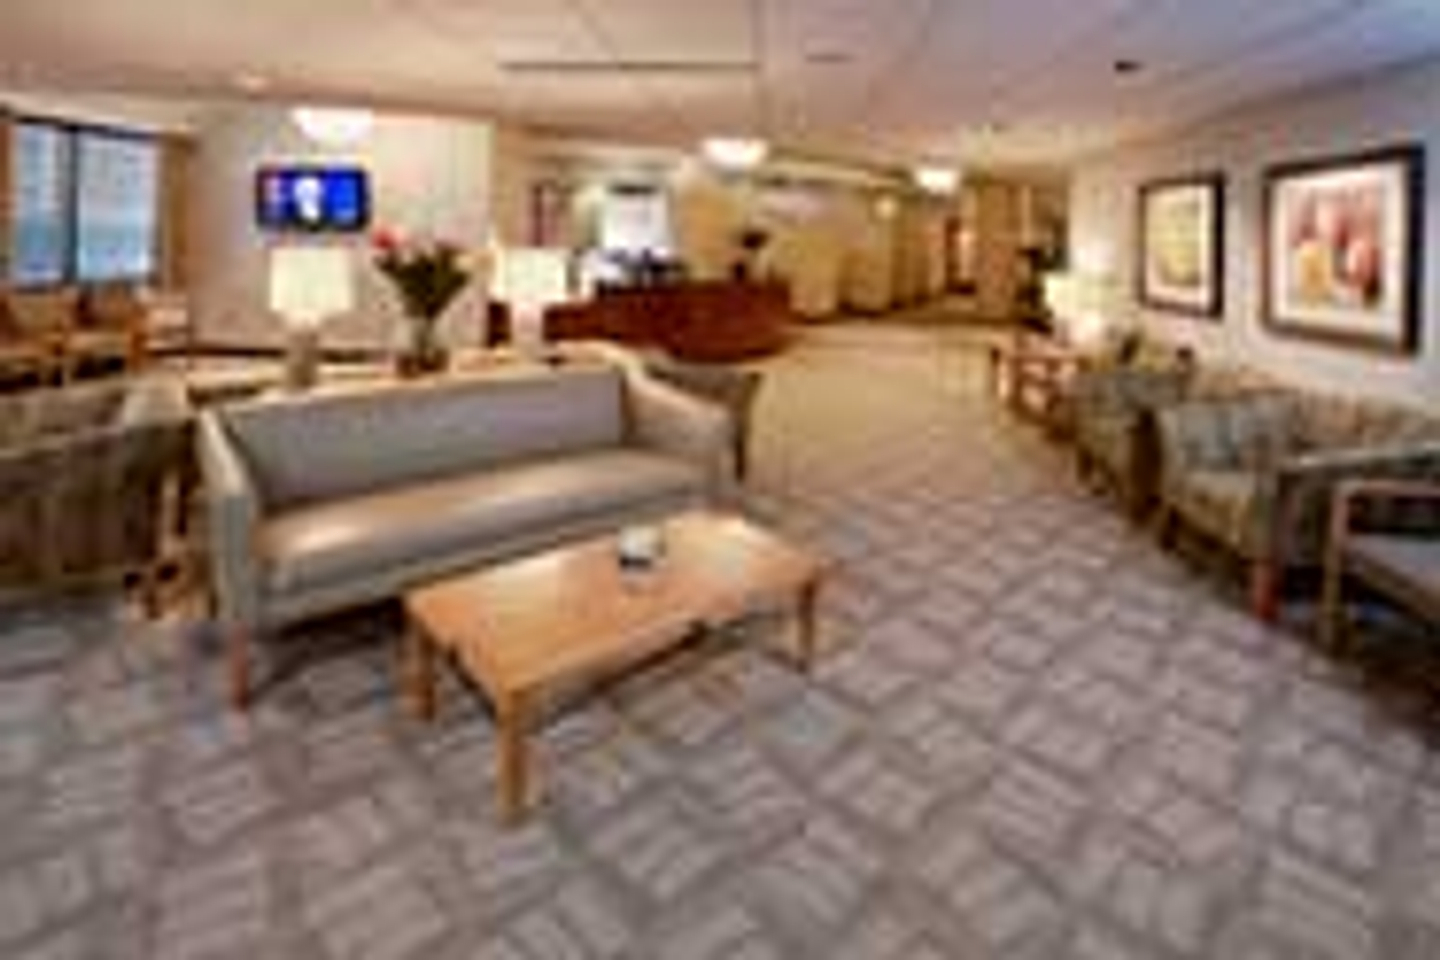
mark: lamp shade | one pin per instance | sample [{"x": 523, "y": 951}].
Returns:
[
  {"x": 1084, "y": 303},
  {"x": 309, "y": 284},
  {"x": 530, "y": 279}
]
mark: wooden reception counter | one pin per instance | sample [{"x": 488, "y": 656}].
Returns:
[{"x": 717, "y": 321}]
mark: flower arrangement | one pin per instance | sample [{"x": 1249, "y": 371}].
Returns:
[{"x": 428, "y": 275}]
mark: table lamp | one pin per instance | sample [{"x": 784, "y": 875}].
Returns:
[
  {"x": 530, "y": 279},
  {"x": 1083, "y": 305},
  {"x": 307, "y": 286}
]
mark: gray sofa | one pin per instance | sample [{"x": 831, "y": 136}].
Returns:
[{"x": 324, "y": 501}]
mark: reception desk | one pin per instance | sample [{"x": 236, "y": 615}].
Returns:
[{"x": 716, "y": 322}]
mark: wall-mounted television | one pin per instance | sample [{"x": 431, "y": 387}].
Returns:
[{"x": 312, "y": 199}]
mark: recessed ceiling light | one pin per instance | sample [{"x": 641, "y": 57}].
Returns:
[
  {"x": 1127, "y": 66},
  {"x": 735, "y": 153},
  {"x": 334, "y": 126},
  {"x": 941, "y": 181}
]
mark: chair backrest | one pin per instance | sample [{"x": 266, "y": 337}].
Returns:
[
  {"x": 38, "y": 312},
  {"x": 110, "y": 306},
  {"x": 319, "y": 446}
]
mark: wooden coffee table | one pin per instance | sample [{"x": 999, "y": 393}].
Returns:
[{"x": 523, "y": 627}]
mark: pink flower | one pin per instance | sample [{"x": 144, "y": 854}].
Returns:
[{"x": 385, "y": 240}]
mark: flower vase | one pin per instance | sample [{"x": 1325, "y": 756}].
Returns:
[{"x": 422, "y": 353}]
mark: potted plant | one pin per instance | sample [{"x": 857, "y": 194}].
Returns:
[{"x": 428, "y": 275}]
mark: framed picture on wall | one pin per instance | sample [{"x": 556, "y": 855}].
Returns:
[
  {"x": 1182, "y": 239},
  {"x": 1344, "y": 247}
]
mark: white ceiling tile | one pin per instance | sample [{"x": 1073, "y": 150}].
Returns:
[{"x": 875, "y": 78}]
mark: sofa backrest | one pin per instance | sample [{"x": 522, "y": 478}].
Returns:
[
  {"x": 321, "y": 446},
  {"x": 1331, "y": 422}
]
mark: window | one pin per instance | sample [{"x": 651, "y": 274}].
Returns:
[
  {"x": 86, "y": 204},
  {"x": 41, "y": 237},
  {"x": 635, "y": 220},
  {"x": 117, "y": 207}
]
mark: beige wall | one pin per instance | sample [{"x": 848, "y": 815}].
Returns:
[
  {"x": 1383, "y": 109},
  {"x": 5, "y": 188},
  {"x": 427, "y": 174},
  {"x": 828, "y": 238}
]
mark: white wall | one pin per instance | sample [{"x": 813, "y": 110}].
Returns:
[
  {"x": 1379, "y": 110},
  {"x": 426, "y": 175}
]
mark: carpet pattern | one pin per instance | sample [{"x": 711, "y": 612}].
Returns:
[{"x": 1032, "y": 734}]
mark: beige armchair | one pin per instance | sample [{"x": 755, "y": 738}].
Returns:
[
  {"x": 89, "y": 481},
  {"x": 110, "y": 324},
  {"x": 33, "y": 325}
]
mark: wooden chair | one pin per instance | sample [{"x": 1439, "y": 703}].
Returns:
[{"x": 1399, "y": 560}]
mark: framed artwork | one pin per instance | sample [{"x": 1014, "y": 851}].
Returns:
[
  {"x": 1344, "y": 247},
  {"x": 1182, "y": 239}
]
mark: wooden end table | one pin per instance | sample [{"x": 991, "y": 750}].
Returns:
[{"x": 526, "y": 626}]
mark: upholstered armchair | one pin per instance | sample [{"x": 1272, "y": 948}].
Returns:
[
  {"x": 87, "y": 481},
  {"x": 110, "y": 324},
  {"x": 1115, "y": 432},
  {"x": 1256, "y": 473},
  {"x": 731, "y": 387},
  {"x": 32, "y": 332},
  {"x": 1385, "y": 533}
]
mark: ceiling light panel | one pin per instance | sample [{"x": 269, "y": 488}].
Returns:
[{"x": 716, "y": 31}]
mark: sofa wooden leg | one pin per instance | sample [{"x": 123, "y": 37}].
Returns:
[
  {"x": 239, "y": 657},
  {"x": 1265, "y": 590}
]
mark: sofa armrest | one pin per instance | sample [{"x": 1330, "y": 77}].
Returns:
[
  {"x": 234, "y": 510},
  {"x": 1311, "y": 487},
  {"x": 664, "y": 418}
]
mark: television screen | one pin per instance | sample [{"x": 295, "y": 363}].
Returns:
[{"x": 312, "y": 199}]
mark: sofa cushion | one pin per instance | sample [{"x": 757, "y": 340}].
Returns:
[
  {"x": 365, "y": 441},
  {"x": 1224, "y": 504},
  {"x": 376, "y": 534}
]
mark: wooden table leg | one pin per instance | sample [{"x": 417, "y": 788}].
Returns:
[
  {"x": 512, "y": 757},
  {"x": 808, "y": 615},
  {"x": 420, "y": 673}
]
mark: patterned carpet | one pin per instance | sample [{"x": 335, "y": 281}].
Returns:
[{"x": 1033, "y": 735}]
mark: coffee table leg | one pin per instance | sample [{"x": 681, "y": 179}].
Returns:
[
  {"x": 808, "y": 615},
  {"x": 513, "y": 757},
  {"x": 420, "y": 673}
]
